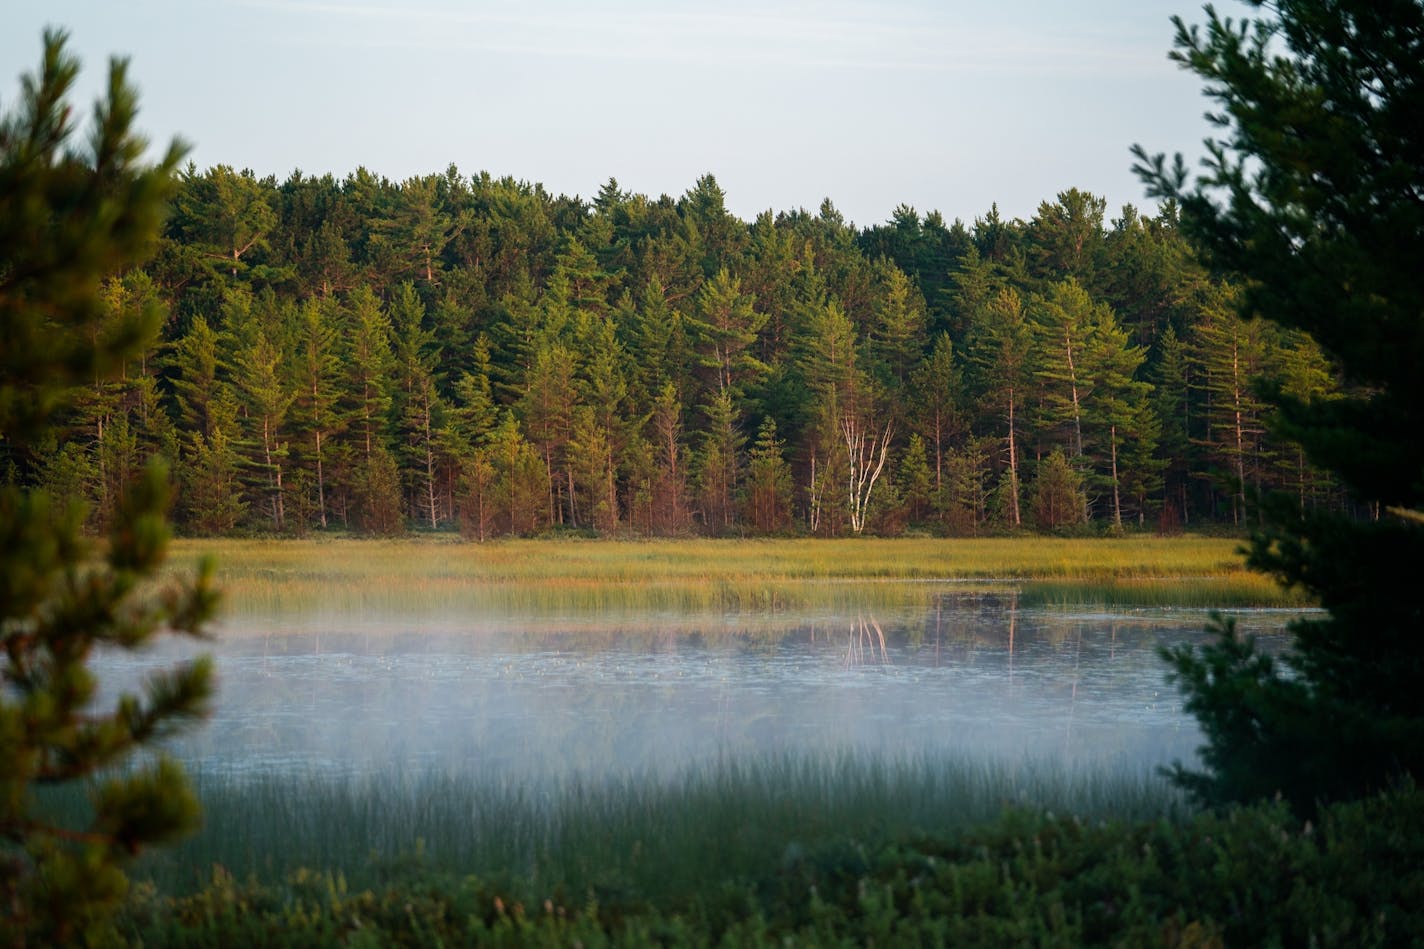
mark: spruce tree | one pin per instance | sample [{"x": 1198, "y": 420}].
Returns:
[
  {"x": 1311, "y": 192},
  {"x": 70, "y": 217}
]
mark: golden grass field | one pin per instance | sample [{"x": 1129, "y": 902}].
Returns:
[{"x": 441, "y": 575}]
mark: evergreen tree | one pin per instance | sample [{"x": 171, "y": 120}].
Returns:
[
  {"x": 267, "y": 396},
  {"x": 915, "y": 480},
  {"x": 719, "y": 465},
  {"x": 69, "y": 218},
  {"x": 1067, "y": 237},
  {"x": 1230, "y": 355},
  {"x": 407, "y": 240},
  {"x": 1061, "y": 323},
  {"x": 1122, "y": 428},
  {"x": 226, "y": 215},
  {"x": 1311, "y": 193},
  {"x": 768, "y": 487},
  {"x": 194, "y": 364},
  {"x": 724, "y": 328},
  {"x": 1171, "y": 407},
  {"x": 377, "y": 493},
  {"x": 318, "y": 370},
  {"x": 1000, "y": 349},
  {"x": 595, "y": 473},
  {"x": 897, "y": 329},
  {"x": 521, "y": 481},
  {"x": 936, "y": 390},
  {"x": 669, "y": 491},
  {"x": 546, "y": 411},
  {"x": 417, "y": 408},
  {"x": 212, "y": 500},
  {"x": 1057, "y": 499},
  {"x": 963, "y": 500}
]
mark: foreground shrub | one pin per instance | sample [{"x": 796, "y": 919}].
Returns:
[{"x": 1249, "y": 876}]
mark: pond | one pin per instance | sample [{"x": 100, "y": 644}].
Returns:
[{"x": 970, "y": 676}]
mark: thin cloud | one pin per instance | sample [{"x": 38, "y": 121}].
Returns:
[{"x": 843, "y": 41}]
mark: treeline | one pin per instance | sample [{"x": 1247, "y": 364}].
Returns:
[{"x": 476, "y": 352}]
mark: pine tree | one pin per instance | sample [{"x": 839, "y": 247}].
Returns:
[
  {"x": 212, "y": 500},
  {"x": 916, "y": 481},
  {"x": 595, "y": 473},
  {"x": 669, "y": 493},
  {"x": 260, "y": 371},
  {"x": 521, "y": 481},
  {"x": 318, "y": 377},
  {"x": 936, "y": 388},
  {"x": 1170, "y": 405},
  {"x": 723, "y": 328},
  {"x": 1311, "y": 193},
  {"x": 768, "y": 485},
  {"x": 1000, "y": 349},
  {"x": 963, "y": 501},
  {"x": 1057, "y": 499},
  {"x": 1122, "y": 428},
  {"x": 1230, "y": 355},
  {"x": 70, "y": 217},
  {"x": 417, "y": 408},
  {"x": 227, "y": 215},
  {"x": 897, "y": 327},
  {"x": 719, "y": 465}
]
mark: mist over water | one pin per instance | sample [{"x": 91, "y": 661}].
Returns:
[{"x": 973, "y": 677}]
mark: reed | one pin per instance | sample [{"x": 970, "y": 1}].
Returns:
[
  {"x": 656, "y": 838},
  {"x": 1240, "y": 591},
  {"x": 431, "y": 576}
]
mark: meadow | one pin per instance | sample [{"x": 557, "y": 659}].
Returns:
[{"x": 440, "y": 575}]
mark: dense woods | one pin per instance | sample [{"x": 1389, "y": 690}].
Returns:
[{"x": 450, "y": 350}]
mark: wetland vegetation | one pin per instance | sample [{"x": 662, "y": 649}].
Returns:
[{"x": 539, "y": 578}]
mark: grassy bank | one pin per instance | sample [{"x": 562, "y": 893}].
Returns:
[
  {"x": 1253, "y": 876},
  {"x": 663, "y": 839},
  {"x": 426, "y": 576}
]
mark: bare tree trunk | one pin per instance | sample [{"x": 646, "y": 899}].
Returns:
[
  {"x": 1073, "y": 390},
  {"x": 1117, "y": 499},
  {"x": 320, "y": 482},
  {"x": 813, "y": 511},
  {"x": 274, "y": 476},
  {"x": 866, "y": 455},
  {"x": 1013, "y": 465},
  {"x": 1239, "y": 501}
]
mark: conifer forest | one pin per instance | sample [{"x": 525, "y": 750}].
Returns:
[{"x": 475, "y": 353}]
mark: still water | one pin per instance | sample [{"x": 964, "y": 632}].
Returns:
[{"x": 971, "y": 676}]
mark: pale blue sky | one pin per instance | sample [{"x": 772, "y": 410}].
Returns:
[{"x": 941, "y": 105}]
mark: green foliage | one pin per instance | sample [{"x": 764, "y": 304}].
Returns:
[
  {"x": 350, "y": 317},
  {"x": 1256, "y": 876},
  {"x": 1310, "y": 193},
  {"x": 1057, "y": 500},
  {"x": 768, "y": 489},
  {"x": 69, "y": 219}
]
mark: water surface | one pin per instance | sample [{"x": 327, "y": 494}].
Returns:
[{"x": 972, "y": 676}]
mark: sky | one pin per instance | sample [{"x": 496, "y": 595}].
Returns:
[{"x": 941, "y": 105}]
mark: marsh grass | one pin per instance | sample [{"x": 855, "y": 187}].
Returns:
[
  {"x": 539, "y": 578},
  {"x": 1239, "y": 591},
  {"x": 635, "y": 837}
]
